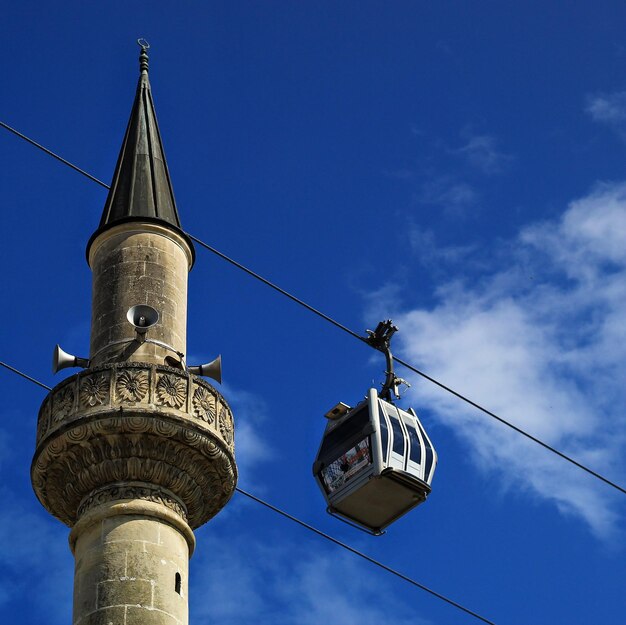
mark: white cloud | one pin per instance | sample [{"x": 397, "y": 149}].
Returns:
[
  {"x": 590, "y": 235},
  {"x": 481, "y": 152},
  {"x": 609, "y": 109},
  {"x": 541, "y": 340}
]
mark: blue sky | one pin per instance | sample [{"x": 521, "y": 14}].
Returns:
[{"x": 460, "y": 167}]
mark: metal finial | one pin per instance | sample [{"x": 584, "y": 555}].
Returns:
[{"x": 143, "y": 57}]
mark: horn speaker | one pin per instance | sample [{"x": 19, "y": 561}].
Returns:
[
  {"x": 63, "y": 360},
  {"x": 142, "y": 317},
  {"x": 211, "y": 370}
]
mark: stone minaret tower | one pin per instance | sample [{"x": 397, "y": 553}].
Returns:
[{"x": 134, "y": 452}]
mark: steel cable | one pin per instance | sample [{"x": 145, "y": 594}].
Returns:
[
  {"x": 313, "y": 529},
  {"x": 344, "y": 328}
]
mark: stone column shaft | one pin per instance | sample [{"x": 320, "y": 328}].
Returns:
[
  {"x": 131, "y": 565},
  {"x": 138, "y": 263},
  {"x": 134, "y": 452}
]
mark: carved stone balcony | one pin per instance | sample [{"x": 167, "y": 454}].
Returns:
[{"x": 134, "y": 431}]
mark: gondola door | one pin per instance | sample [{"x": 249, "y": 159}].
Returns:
[
  {"x": 430, "y": 459},
  {"x": 396, "y": 456},
  {"x": 415, "y": 460}
]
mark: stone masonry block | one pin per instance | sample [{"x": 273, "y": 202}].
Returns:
[
  {"x": 91, "y": 537},
  {"x": 100, "y": 564},
  {"x": 171, "y": 547},
  {"x": 85, "y": 594},
  {"x": 106, "y": 616},
  {"x": 95, "y": 569},
  {"x": 143, "y": 616},
  {"x": 123, "y": 590},
  {"x": 163, "y": 572},
  {"x": 151, "y": 284},
  {"x": 140, "y": 253},
  {"x": 165, "y": 595},
  {"x": 128, "y": 528}
]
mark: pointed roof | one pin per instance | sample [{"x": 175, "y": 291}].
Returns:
[{"x": 141, "y": 189}]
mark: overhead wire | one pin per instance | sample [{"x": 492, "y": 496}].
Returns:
[
  {"x": 280, "y": 290},
  {"x": 51, "y": 153},
  {"x": 515, "y": 428},
  {"x": 26, "y": 377},
  {"x": 364, "y": 556},
  {"x": 409, "y": 366},
  {"x": 313, "y": 529},
  {"x": 344, "y": 328}
]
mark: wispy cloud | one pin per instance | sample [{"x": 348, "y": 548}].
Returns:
[
  {"x": 482, "y": 153},
  {"x": 609, "y": 109},
  {"x": 285, "y": 583},
  {"x": 432, "y": 256},
  {"x": 251, "y": 448},
  {"x": 452, "y": 195},
  {"x": 27, "y": 540},
  {"x": 540, "y": 339},
  {"x": 454, "y": 191}
]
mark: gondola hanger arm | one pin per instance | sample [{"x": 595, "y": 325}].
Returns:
[{"x": 380, "y": 339}]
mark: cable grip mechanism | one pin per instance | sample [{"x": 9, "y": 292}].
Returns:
[{"x": 380, "y": 339}]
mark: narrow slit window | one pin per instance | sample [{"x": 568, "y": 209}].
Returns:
[{"x": 177, "y": 583}]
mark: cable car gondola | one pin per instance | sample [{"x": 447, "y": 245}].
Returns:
[{"x": 375, "y": 462}]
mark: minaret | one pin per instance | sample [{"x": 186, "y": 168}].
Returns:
[{"x": 134, "y": 452}]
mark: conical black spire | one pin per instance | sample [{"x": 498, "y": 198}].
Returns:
[
  {"x": 141, "y": 189},
  {"x": 141, "y": 186}
]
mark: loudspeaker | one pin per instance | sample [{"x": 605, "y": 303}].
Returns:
[
  {"x": 142, "y": 317},
  {"x": 63, "y": 360},
  {"x": 212, "y": 370}
]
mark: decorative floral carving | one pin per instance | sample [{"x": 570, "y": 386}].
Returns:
[
  {"x": 132, "y": 491},
  {"x": 93, "y": 390},
  {"x": 197, "y": 472},
  {"x": 167, "y": 448},
  {"x": 172, "y": 390},
  {"x": 226, "y": 425},
  {"x": 132, "y": 385},
  {"x": 44, "y": 417},
  {"x": 204, "y": 404},
  {"x": 63, "y": 402}
]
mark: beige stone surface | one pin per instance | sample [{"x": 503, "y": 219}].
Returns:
[
  {"x": 127, "y": 430},
  {"x": 126, "y": 567},
  {"x": 134, "y": 451},
  {"x": 138, "y": 264}
]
